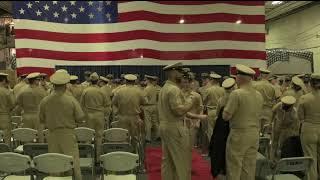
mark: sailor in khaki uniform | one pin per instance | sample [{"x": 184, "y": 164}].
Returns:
[
  {"x": 296, "y": 89},
  {"x": 285, "y": 124},
  {"x": 129, "y": 101},
  {"x": 205, "y": 83},
  {"x": 242, "y": 111},
  {"x": 22, "y": 84},
  {"x": 95, "y": 104},
  {"x": 107, "y": 91},
  {"x": 60, "y": 112},
  {"x": 74, "y": 88},
  {"x": 211, "y": 98},
  {"x": 309, "y": 115},
  {"x": 174, "y": 134},
  {"x": 87, "y": 81},
  {"x": 6, "y": 106},
  {"x": 29, "y": 100},
  {"x": 269, "y": 96},
  {"x": 194, "y": 83},
  {"x": 151, "y": 111}
]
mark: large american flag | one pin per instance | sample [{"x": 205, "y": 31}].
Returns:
[{"x": 51, "y": 33}]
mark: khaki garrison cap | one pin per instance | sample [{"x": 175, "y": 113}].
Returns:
[
  {"x": 33, "y": 75},
  {"x": 289, "y": 100},
  {"x": 151, "y": 77},
  {"x": 175, "y": 66},
  {"x": 214, "y": 76},
  {"x": 3, "y": 74},
  {"x": 104, "y": 79},
  {"x": 228, "y": 83},
  {"x": 62, "y": 70},
  {"x": 73, "y": 78},
  {"x": 264, "y": 71},
  {"x": 130, "y": 77},
  {"x": 315, "y": 76},
  {"x": 245, "y": 70},
  {"x": 94, "y": 76},
  {"x": 297, "y": 81},
  {"x": 60, "y": 78}
]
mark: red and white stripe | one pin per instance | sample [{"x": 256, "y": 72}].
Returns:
[{"x": 149, "y": 33}]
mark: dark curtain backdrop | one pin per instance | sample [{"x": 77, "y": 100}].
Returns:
[{"x": 142, "y": 70}]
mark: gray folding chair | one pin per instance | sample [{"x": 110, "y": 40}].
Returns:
[
  {"x": 87, "y": 160},
  {"x": 4, "y": 148},
  {"x": 22, "y": 136},
  {"x": 54, "y": 163},
  {"x": 286, "y": 166},
  {"x": 84, "y": 134},
  {"x": 35, "y": 149},
  {"x": 119, "y": 162},
  {"x": 116, "y": 139},
  {"x": 14, "y": 163},
  {"x": 16, "y": 121}
]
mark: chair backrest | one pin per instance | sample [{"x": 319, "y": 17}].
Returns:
[
  {"x": 114, "y": 146},
  {"x": 13, "y": 162},
  {"x": 4, "y": 148},
  {"x": 119, "y": 161},
  {"x": 53, "y": 163},
  {"x": 294, "y": 164},
  {"x": 24, "y": 134},
  {"x": 116, "y": 135},
  {"x": 114, "y": 124},
  {"x": 86, "y": 151},
  {"x": 35, "y": 149},
  {"x": 16, "y": 119},
  {"x": 84, "y": 134}
]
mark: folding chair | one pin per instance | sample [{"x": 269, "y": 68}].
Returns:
[
  {"x": 14, "y": 163},
  {"x": 87, "y": 157},
  {"x": 16, "y": 121},
  {"x": 289, "y": 165},
  {"x": 35, "y": 149},
  {"x": 54, "y": 163},
  {"x": 4, "y": 148},
  {"x": 264, "y": 146},
  {"x": 22, "y": 136},
  {"x": 116, "y": 139},
  {"x": 119, "y": 162},
  {"x": 114, "y": 124},
  {"x": 84, "y": 134}
]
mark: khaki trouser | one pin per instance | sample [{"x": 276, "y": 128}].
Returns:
[
  {"x": 176, "y": 163},
  {"x": 241, "y": 153},
  {"x": 31, "y": 120},
  {"x": 310, "y": 140},
  {"x": 64, "y": 141},
  {"x": 5, "y": 126},
  {"x": 151, "y": 122},
  {"x": 129, "y": 122},
  {"x": 96, "y": 121},
  {"x": 265, "y": 117},
  {"x": 212, "y": 121}
]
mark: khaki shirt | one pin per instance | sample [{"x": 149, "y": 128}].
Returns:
[
  {"x": 76, "y": 91},
  {"x": 115, "y": 90},
  {"x": 128, "y": 100},
  {"x": 6, "y": 101},
  {"x": 197, "y": 101},
  {"x": 86, "y": 84},
  {"x": 267, "y": 91},
  {"x": 222, "y": 102},
  {"x": 244, "y": 106},
  {"x": 93, "y": 99},
  {"x": 277, "y": 89},
  {"x": 283, "y": 119},
  {"x": 19, "y": 87},
  {"x": 212, "y": 96},
  {"x": 172, "y": 106},
  {"x": 30, "y": 98},
  {"x": 58, "y": 110},
  {"x": 152, "y": 93},
  {"x": 309, "y": 107}
]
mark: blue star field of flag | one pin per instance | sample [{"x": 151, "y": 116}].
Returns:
[{"x": 68, "y": 12}]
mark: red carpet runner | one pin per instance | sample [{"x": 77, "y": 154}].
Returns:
[{"x": 200, "y": 167}]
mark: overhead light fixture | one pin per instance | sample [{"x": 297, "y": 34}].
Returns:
[
  {"x": 238, "y": 21},
  {"x": 276, "y": 2},
  {"x": 181, "y": 21}
]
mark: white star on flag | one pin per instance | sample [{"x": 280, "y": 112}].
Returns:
[
  {"x": 99, "y": 8},
  {"x": 108, "y": 2},
  {"x": 21, "y": 11},
  {"x": 56, "y": 14},
  {"x": 81, "y": 9},
  {"x": 108, "y": 15},
  {"x": 29, "y": 5},
  {"x": 54, "y": 2},
  {"x": 74, "y": 16},
  {"x": 46, "y": 7},
  {"x": 91, "y": 16},
  {"x": 64, "y": 8},
  {"x": 90, "y": 3},
  {"x": 38, "y": 13},
  {"x": 73, "y": 3}
]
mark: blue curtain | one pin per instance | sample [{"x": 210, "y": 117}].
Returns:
[{"x": 142, "y": 70}]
